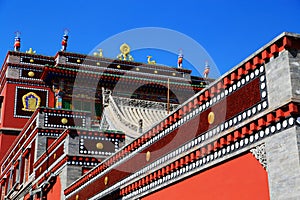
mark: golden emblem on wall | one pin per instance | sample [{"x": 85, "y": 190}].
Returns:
[
  {"x": 148, "y": 156},
  {"x": 31, "y": 101},
  {"x": 64, "y": 120},
  {"x": 99, "y": 145},
  {"x": 106, "y": 180},
  {"x": 31, "y": 74},
  {"x": 211, "y": 118}
]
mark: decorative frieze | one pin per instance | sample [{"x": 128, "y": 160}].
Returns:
[{"x": 259, "y": 152}]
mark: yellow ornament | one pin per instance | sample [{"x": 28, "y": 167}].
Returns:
[
  {"x": 106, "y": 180},
  {"x": 211, "y": 118},
  {"x": 99, "y": 145},
  {"x": 31, "y": 74},
  {"x": 64, "y": 120},
  {"x": 148, "y": 156}
]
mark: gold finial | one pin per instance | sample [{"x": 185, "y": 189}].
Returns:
[
  {"x": 98, "y": 54},
  {"x": 30, "y": 51},
  {"x": 152, "y": 62},
  {"x": 124, "y": 55}
]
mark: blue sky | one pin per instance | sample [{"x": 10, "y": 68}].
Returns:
[{"x": 228, "y": 30}]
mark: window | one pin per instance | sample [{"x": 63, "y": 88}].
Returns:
[
  {"x": 67, "y": 104},
  {"x": 3, "y": 188},
  {"x": 26, "y": 167}
]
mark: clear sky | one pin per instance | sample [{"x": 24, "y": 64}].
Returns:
[{"x": 228, "y": 30}]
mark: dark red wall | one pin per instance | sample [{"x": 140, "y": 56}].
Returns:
[
  {"x": 5, "y": 142},
  {"x": 241, "y": 178}
]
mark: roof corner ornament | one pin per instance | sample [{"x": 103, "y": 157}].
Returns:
[
  {"x": 64, "y": 42},
  {"x": 98, "y": 53},
  {"x": 206, "y": 70},
  {"x": 17, "y": 44},
  {"x": 124, "y": 55},
  {"x": 30, "y": 51},
  {"x": 180, "y": 59},
  {"x": 151, "y": 62}
]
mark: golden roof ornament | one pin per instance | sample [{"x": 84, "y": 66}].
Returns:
[
  {"x": 30, "y": 51},
  {"x": 124, "y": 55},
  {"x": 152, "y": 62},
  {"x": 99, "y": 53}
]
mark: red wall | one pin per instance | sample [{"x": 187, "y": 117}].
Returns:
[
  {"x": 241, "y": 178},
  {"x": 5, "y": 142},
  {"x": 8, "y": 120},
  {"x": 55, "y": 191}
]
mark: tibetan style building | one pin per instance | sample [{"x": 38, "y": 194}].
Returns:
[{"x": 82, "y": 127}]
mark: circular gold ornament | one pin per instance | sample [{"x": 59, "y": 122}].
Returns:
[
  {"x": 148, "y": 156},
  {"x": 64, "y": 120},
  {"x": 31, "y": 74},
  {"x": 99, "y": 145},
  {"x": 31, "y": 60},
  {"x": 211, "y": 117}
]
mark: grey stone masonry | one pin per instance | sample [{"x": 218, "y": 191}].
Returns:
[
  {"x": 13, "y": 59},
  {"x": 72, "y": 145},
  {"x": 61, "y": 59},
  {"x": 278, "y": 80},
  {"x": 294, "y": 62},
  {"x": 283, "y": 78},
  {"x": 68, "y": 175},
  {"x": 282, "y": 151},
  {"x": 41, "y": 145}
]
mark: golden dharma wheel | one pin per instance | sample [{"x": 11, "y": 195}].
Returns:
[{"x": 125, "y": 49}]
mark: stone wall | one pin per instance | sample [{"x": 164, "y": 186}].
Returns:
[{"x": 282, "y": 151}]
